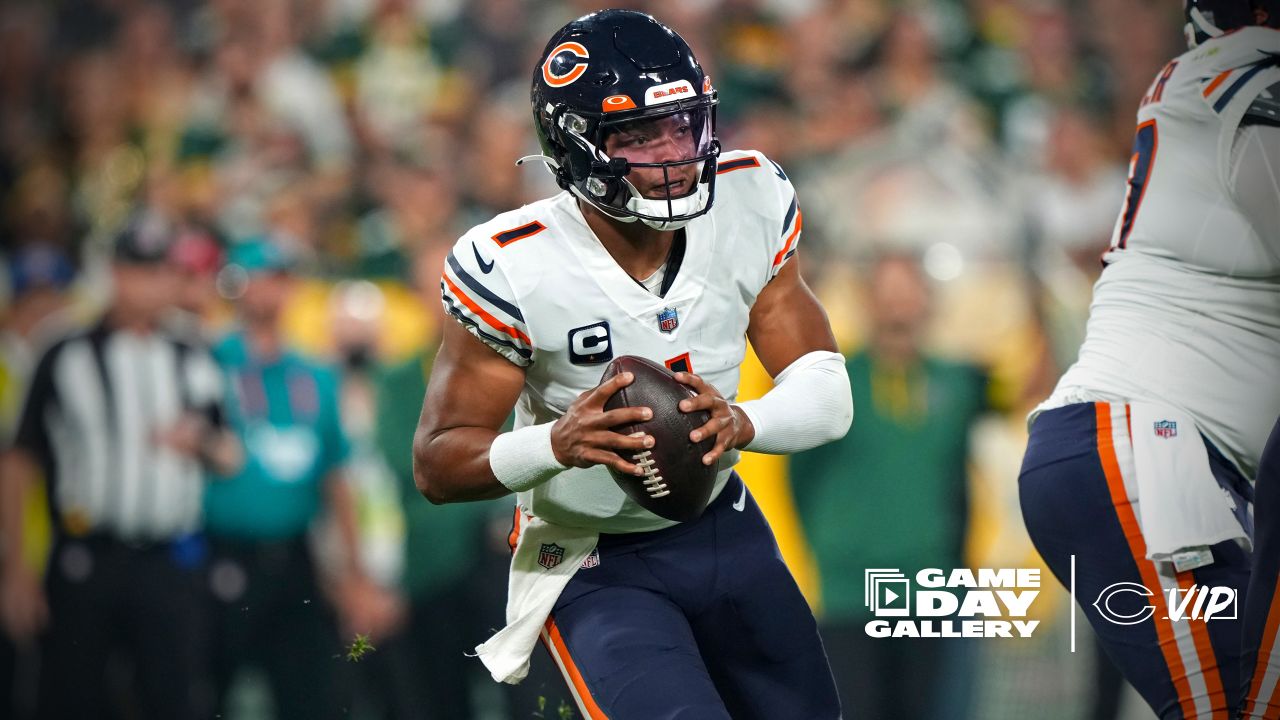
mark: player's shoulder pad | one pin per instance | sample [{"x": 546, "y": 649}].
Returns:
[
  {"x": 1240, "y": 66},
  {"x": 750, "y": 169},
  {"x": 1242, "y": 48},
  {"x": 481, "y": 285},
  {"x": 502, "y": 246},
  {"x": 752, "y": 183}
]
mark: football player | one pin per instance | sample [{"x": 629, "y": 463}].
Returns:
[
  {"x": 663, "y": 247},
  {"x": 1141, "y": 465}
]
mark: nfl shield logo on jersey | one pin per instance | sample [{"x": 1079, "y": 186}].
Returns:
[
  {"x": 1166, "y": 428},
  {"x": 550, "y": 555},
  {"x": 668, "y": 320}
]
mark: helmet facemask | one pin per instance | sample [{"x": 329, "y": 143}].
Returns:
[{"x": 664, "y": 170}]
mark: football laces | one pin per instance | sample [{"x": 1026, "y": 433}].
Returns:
[{"x": 653, "y": 483}]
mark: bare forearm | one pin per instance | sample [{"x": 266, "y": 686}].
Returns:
[
  {"x": 453, "y": 465},
  {"x": 342, "y": 504},
  {"x": 18, "y": 473}
]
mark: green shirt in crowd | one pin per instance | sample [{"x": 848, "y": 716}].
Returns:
[
  {"x": 286, "y": 411},
  {"x": 442, "y": 543},
  {"x": 893, "y": 492}
]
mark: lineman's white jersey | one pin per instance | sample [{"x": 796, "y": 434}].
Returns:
[
  {"x": 538, "y": 287},
  {"x": 1187, "y": 311}
]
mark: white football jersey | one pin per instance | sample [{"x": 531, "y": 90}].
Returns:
[
  {"x": 538, "y": 287},
  {"x": 1187, "y": 311}
]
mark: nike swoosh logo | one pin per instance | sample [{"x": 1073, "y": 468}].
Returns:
[
  {"x": 485, "y": 267},
  {"x": 742, "y": 501}
]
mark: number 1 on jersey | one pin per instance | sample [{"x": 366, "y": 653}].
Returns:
[{"x": 1145, "y": 144}]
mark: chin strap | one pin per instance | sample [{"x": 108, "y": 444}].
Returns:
[
  {"x": 598, "y": 206},
  {"x": 552, "y": 165},
  {"x": 1200, "y": 24}
]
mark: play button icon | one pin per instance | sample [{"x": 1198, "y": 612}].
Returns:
[{"x": 888, "y": 592}]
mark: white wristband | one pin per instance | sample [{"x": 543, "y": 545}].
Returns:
[{"x": 523, "y": 459}]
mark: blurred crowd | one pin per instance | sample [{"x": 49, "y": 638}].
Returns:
[{"x": 960, "y": 164}]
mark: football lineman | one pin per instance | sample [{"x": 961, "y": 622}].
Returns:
[
  {"x": 1141, "y": 465},
  {"x": 659, "y": 246}
]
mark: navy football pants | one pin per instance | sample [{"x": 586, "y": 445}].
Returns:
[
  {"x": 699, "y": 621},
  {"x": 1261, "y": 671},
  {"x": 1077, "y": 493}
]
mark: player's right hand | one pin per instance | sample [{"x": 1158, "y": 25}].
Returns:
[
  {"x": 583, "y": 436},
  {"x": 23, "y": 609}
]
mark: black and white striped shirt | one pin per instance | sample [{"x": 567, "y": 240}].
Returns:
[{"x": 97, "y": 401}]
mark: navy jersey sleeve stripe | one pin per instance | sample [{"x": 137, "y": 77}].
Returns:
[
  {"x": 791, "y": 214},
  {"x": 1240, "y": 82},
  {"x": 483, "y": 291},
  {"x": 474, "y": 326}
]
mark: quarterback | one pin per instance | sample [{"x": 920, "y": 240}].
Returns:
[
  {"x": 1147, "y": 463},
  {"x": 664, "y": 247}
]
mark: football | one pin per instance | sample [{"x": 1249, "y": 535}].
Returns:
[{"x": 676, "y": 485}]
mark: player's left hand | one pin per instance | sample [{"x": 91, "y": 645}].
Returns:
[{"x": 730, "y": 426}]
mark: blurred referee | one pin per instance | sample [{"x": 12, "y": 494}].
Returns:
[{"x": 121, "y": 420}]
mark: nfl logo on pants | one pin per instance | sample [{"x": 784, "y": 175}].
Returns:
[{"x": 668, "y": 320}]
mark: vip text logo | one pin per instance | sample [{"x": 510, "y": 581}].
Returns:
[
  {"x": 960, "y": 603},
  {"x": 1129, "y": 603}
]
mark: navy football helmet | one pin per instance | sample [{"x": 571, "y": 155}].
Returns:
[
  {"x": 1207, "y": 19},
  {"x": 620, "y": 72}
]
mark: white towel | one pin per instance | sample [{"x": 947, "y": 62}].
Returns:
[
  {"x": 1180, "y": 504},
  {"x": 546, "y": 558}
]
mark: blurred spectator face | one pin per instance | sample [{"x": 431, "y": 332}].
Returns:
[
  {"x": 145, "y": 277},
  {"x": 265, "y": 295},
  {"x": 144, "y": 291},
  {"x": 358, "y": 311},
  {"x": 899, "y": 305},
  {"x": 95, "y": 102},
  {"x": 1050, "y": 50},
  {"x": 263, "y": 265},
  {"x": 428, "y": 265},
  {"x": 237, "y": 65},
  {"x": 909, "y": 43},
  {"x": 1075, "y": 145},
  {"x": 198, "y": 259},
  {"x": 148, "y": 33},
  {"x": 666, "y": 139}
]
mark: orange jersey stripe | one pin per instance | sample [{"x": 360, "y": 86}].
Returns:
[
  {"x": 1138, "y": 548},
  {"x": 489, "y": 320},
  {"x": 514, "y": 536},
  {"x": 1208, "y": 661},
  {"x": 558, "y": 647},
  {"x": 790, "y": 239},
  {"x": 739, "y": 164},
  {"x": 1222, "y": 77},
  {"x": 1267, "y": 647}
]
